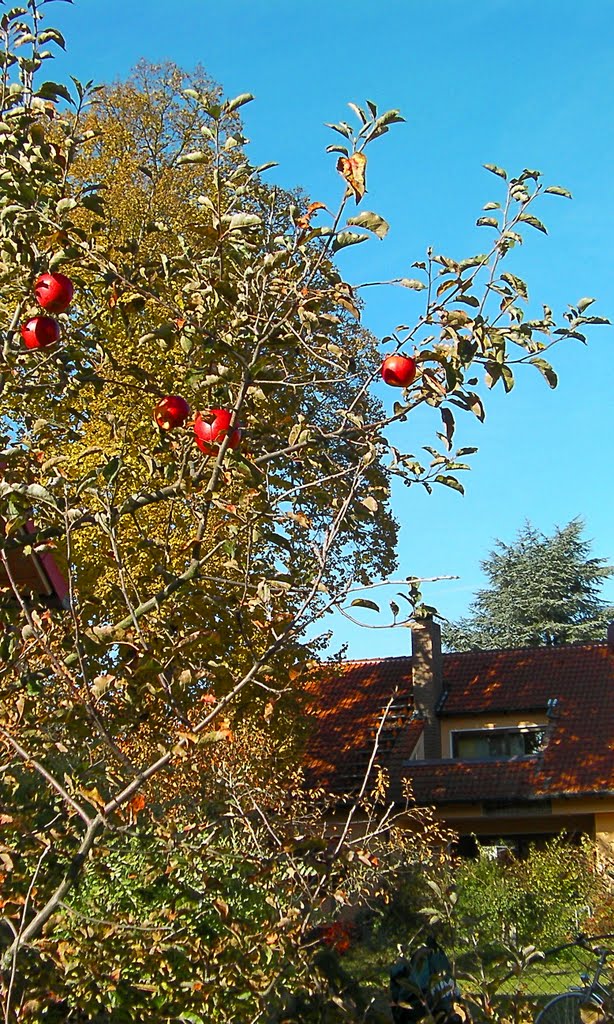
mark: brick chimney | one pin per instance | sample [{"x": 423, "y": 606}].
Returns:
[
  {"x": 611, "y": 637},
  {"x": 427, "y": 679}
]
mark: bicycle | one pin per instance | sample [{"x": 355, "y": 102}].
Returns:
[{"x": 589, "y": 1004}]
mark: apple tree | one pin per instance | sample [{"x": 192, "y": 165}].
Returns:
[{"x": 159, "y": 853}]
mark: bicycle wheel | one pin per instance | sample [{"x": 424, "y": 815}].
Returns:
[{"x": 571, "y": 1008}]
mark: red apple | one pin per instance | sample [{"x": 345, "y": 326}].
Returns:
[
  {"x": 399, "y": 371},
  {"x": 171, "y": 411},
  {"x": 54, "y": 292},
  {"x": 211, "y": 429},
  {"x": 40, "y": 331}
]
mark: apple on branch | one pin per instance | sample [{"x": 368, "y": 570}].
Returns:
[
  {"x": 211, "y": 428},
  {"x": 171, "y": 411},
  {"x": 40, "y": 332},
  {"x": 399, "y": 371},
  {"x": 54, "y": 292}
]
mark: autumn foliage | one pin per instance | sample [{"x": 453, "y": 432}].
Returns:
[{"x": 160, "y": 855}]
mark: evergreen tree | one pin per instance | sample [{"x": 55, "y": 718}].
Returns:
[{"x": 543, "y": 590}]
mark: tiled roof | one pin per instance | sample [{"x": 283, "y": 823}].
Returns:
[
  {"x": 348, "y": 702},
  {"x": 349, "y": 698},
  {"x": 37, "y": 574}
]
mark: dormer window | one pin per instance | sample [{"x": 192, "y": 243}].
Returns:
[{"x": 497, "y": 744}]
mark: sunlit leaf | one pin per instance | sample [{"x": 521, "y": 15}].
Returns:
[
  {"x": 496, "y": 170},
  {"x": 372, "y": 221},
  {"x": 363, "y": 602}
]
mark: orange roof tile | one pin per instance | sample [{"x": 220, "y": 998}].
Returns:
[{"x": 348, "y": 700}]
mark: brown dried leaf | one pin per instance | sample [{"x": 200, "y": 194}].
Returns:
[{"x": 353, "y": 169}]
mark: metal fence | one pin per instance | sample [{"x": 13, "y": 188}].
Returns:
[{"x": 518, "y": 993}]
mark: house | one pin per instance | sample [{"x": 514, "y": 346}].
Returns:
[
  {"x": 512, "y": 744},
  {"x": 35, "y": 575}
]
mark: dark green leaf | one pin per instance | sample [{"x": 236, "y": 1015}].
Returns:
[
  {"x": 53, "y": 90},
  {"x": 507, "y": 376},
  {"x": 345, "y": 238},
  {"x": 358, "y": 111},
  {"x": 372, "y": 221},
  {"x": 342, "y": 128},
  {"x": 528, "y": 218},
  {"x": 450, "y": 481},
  {"x": 556, "y": 190},
  {"x": 516, "y": 283},
  {"x": 546, "y": 370},
  {"x": 362, "y": 602},
  {"x": 496, "y": 170},
  {"x": 110, "y": 471},
  {"x": 487, "y": 222}
]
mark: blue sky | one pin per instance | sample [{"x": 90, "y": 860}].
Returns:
[{"x": 519, "y": 84}]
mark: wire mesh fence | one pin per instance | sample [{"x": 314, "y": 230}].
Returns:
[{"x": 520, "y": 992}]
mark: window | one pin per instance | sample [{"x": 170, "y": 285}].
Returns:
[{"x": 497, "y": 744}]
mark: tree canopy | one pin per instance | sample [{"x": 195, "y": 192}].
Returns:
[
  {"x": 146, "y": 727},
  {"x": 543, "y": 589}
]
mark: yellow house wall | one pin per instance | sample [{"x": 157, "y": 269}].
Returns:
[
  {"x": 604, "y": 833},
  {"x": 450, "y": 725},
  {"x": 595, "y": 816}
]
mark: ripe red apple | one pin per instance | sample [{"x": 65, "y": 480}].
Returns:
[
  {"x": 171, "y": 411},
  {"x": 40, "y": 331},
  {"x": 211, "y": 429},
  {"x": 399, "y": 371},
  {"x": 54, "y": 292}
]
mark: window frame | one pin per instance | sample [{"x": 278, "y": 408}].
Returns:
[{"x": 487, "y": 731}]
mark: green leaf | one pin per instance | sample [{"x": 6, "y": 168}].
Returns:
[
  {"x": 546, "y": 371},
  {"x": 345, "y": 238},
  {"x": 238, "y": 101},
  {"x": 516, "y": 283},
  {"x": 372, "y": 221},
  {"x": 342, "y": 129},
  {"x": 65, "y": 205},
  {"x": 557, "y": 190},
  {"x": 53, "y": 90},
  {"x": 390, "y": 117},
  {"x": 411, "y": 282},
  {"x": 52, "y": 35},
  {"x": 475, "y": 405},
  {"x": 528, "y": 218},
  {"x": 360, "y": 114},
  {"x": 362, "y": 602},
  {"x": 487, "y": 222},
  {"x": 112, "y": 468},
  {"x": 496, "y": 170},
  {"x": 450, "y": 481},
  {"x": 197, "y": 156},
  {"x": 492, "y": 206},
  {"x": 39, "y": 493},
  {"x": 370, "y": 503},
  {"x": 584, "y": 304},
  {"x": 244, "y": 220},
  {"x": 507, "y": 377}
]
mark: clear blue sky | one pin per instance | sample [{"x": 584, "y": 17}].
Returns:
[{"x": 513, "y": 82}]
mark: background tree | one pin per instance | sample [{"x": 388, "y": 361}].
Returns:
[
  {"x": 542, "y": 590},
  {"x": 195, "y": 572}
]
